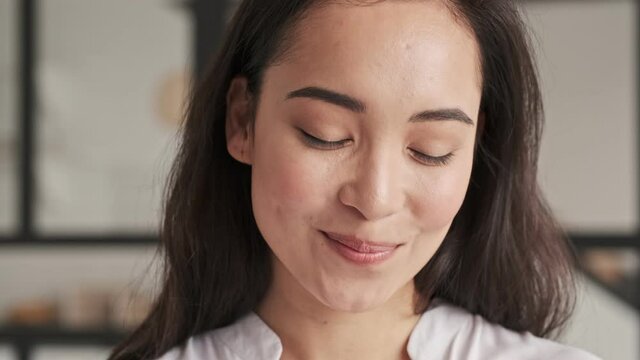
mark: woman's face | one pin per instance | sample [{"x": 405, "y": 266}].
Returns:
[{"x": 387, "y": 82}]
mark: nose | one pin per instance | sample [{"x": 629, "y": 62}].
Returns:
[{"x": 376, "y": 189}]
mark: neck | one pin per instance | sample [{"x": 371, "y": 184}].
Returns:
[{"x": 310, "y": 330}]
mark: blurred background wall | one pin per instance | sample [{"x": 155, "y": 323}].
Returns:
[{"x": 109, "y": 78}]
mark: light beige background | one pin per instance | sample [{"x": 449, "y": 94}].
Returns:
[{"x": 105, "y": 147}]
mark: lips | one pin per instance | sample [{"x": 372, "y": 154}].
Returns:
[{"x": 361, "y": 245}]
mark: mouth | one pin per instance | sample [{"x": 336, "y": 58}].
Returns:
[
  {"x": 360, "y": 251},
  {"x": 360, "y": 245}
]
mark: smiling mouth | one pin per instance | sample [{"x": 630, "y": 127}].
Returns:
[
  {"x": 361, "y": 245},
  {"x": 359, "y": 252}
]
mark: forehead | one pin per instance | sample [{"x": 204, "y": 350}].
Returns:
[{"x": 405, "y": 48}]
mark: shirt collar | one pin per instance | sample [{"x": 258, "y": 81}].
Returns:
[
  {"x": 251, "y": 338},
  {"x": 435, "y": 330}
]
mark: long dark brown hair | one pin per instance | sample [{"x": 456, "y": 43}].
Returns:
[{"x": 505, "y": 257}]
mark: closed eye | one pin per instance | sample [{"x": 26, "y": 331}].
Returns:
[
  {"x": 331, "y": 145},
  {"x": 432, "y": 160},
  {"x": 323, "y": 144}
]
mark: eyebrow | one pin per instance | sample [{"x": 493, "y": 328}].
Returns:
[{"x": 357, "y": 106}]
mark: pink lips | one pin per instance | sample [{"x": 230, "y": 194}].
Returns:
[{"x": 360, "y": 251}]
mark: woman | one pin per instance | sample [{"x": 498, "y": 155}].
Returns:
[{"x": 357, "y": 180}]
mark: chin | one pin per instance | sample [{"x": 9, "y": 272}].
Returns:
[{"x": 352, "y": 301}]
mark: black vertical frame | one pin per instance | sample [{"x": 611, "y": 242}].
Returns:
[
  {"x": 27, "y": 133},
  {"x": 209, "y": 23}
]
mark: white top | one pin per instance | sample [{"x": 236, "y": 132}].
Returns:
[{"x": 443, "y": 332}]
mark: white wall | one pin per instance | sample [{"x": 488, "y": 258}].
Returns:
[
  {"x": 587, "y": 56},
  {"x": 106, "y": 72}
]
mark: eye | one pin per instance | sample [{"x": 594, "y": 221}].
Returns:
[
  {"x": 432, "y": 160},
  {"x": 330, "y": 145},
  {"x": 319, "y": 143}
]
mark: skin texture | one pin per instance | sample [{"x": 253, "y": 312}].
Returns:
[{"x": 398, "y": 58}]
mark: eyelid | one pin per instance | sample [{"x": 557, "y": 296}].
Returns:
[
  {"x": 317, "y": 142},
  {"x": 432, "y": 160},
  {"x": 330, "y": 145}
]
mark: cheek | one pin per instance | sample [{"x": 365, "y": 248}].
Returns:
[
  {"x": 286, "y": 190},
  {"x": 441, "y": 196},
  {"x": 288, "y": 181}
]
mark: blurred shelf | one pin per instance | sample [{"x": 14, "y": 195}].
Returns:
[
  {"x": 60, "y": 336},
  {"x": 24, "y": 339},
  {"x": 583, "y": 240},
  {"x": 79, "y": 240},
  {"x": 87, "y": 240},
  {"x": 615, "y": 268},
  {"x": 626, "y": 291}
]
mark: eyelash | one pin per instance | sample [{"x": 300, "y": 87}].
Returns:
[
  {"x": 435, "y": 160},
  {"x": 332, "y": 145}
]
